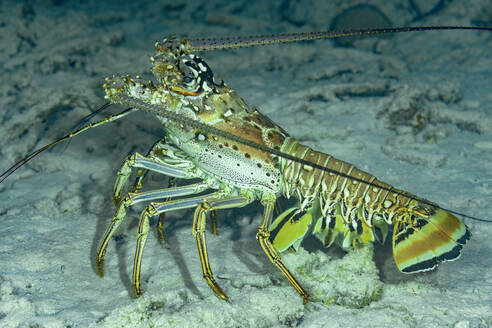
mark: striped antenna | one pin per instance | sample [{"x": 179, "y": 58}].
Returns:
[
  {"x": 35, "y": 153},
  {"x": 261, "y": 40}
]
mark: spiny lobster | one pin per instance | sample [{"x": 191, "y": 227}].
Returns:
[{"x": 240, "y": 154}]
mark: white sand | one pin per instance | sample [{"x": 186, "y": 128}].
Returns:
[{"x": 360, "y": 104}]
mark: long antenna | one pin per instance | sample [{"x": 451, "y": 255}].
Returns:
[
  {"x": 26, "y": 159},
  {"x": 208, "y": 44}
]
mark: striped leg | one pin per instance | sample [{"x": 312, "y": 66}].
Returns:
[
  {"x": 133, "y": 198},
  {"x": 144, "y": 227},
  {"x": 164, "y": 152},
  {"x": 263, "y": 238},
  {"x": 142, "y": 173},
  {"x": 199, "y": 222},
  {"x": 152, "y": 164}
]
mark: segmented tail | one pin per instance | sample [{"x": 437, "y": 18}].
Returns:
[{"x": 333, "y": 208}]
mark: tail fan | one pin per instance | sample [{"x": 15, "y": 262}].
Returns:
[{"x": 430, "y": 236}]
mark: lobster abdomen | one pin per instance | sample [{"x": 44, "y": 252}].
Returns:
[{"x": 352, "y": 212}]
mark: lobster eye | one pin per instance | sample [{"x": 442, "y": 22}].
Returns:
[{"x": 187, "y": 79}]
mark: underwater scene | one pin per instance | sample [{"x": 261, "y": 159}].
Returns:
[{"x": 412, "y": 109}]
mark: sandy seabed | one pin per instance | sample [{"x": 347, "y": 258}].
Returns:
[{"x": 413, "y": 109}]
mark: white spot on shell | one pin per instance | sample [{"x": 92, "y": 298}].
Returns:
[
  {"x": 307, "y": 168},
  {"x": 202, "y": 67},
  {"x": 206, "y": 87}
]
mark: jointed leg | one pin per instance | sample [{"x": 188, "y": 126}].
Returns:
[
  {"x": 184, "y": 170},
  {"x": 143, "y": 228},
  {"x": 133, "y": 198},
  {"x": 199, "y": 220},
  {"x": 199, "y": 223},
  {"x": 165, "y": 153},
  {"x": 262, "y": 237},
  {"x": 141, "y": 173},
  {"x": 143, "y": 231}
]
